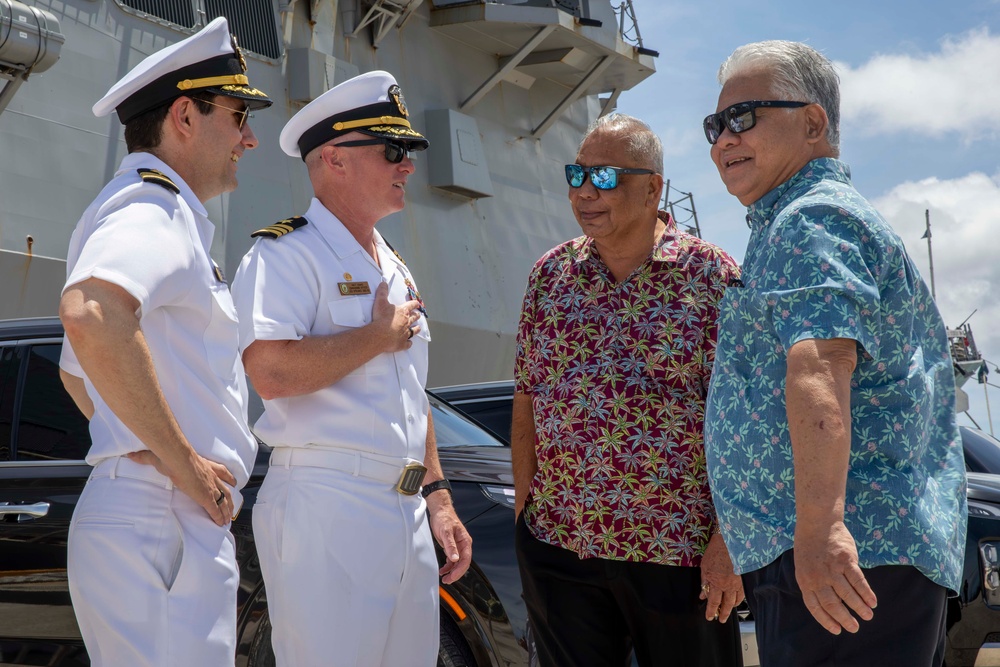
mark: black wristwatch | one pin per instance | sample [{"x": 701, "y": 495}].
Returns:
[{"x": 428, "y": 489}]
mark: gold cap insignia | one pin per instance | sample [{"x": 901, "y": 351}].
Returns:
[
  {"x": 397, "y": 96},
  {"x": 239, "y": 53}
]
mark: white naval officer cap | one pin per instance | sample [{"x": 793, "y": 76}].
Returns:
[
  {"x": 370, "y": 103},
  {"x": 208, "y": 60}
]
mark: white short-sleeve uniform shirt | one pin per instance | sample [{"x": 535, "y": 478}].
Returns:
[
  {"x": 154, "y": 244},
  {"x": 292, "y": 287}
]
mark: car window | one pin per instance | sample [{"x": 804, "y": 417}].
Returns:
[
  {"x": 494, "y": 414},
  {"x": 982, "y": 452},
  {"x": 10, "y": 361},
  {"x": 452, "y": 429},
  {"x": 50, "y": 426}
]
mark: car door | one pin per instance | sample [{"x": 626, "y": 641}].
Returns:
[{"x": 43, "y": 439}]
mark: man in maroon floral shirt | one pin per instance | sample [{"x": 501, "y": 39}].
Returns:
[{"x": 616, "y": 532}]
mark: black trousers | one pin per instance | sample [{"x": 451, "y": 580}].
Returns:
[
  {"x": 592, "y": 611},
  {"x": 908, "y": 627}
]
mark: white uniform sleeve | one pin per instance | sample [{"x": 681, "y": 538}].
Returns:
[
  {"x": 276, "y": 292},
  {"x": 68, "y": 361},
  {"x": 142, "y": 245}
]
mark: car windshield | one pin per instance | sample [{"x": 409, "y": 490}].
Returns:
[{"x": 452, "y": 429}]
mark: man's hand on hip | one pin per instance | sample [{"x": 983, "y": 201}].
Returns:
[
  {"x": 451, "y": 535},
  {"x": 720, "y": 586},
  {"x": 206, "y": 482},
  {"x": 832, "y": 583}
]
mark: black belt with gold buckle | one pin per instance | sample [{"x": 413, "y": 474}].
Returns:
[{"x": 409, "y": 481}]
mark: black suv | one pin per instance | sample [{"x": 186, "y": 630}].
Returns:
[
  {"x": 43, "y": 440},
  {"x": 973, "y": 617}
]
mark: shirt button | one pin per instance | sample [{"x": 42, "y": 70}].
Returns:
[{"x": 409, "y": 418}]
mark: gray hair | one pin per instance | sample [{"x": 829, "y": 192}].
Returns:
[
  {"x": 641, "y": 143},
  {"x": 801, "y": 74}
]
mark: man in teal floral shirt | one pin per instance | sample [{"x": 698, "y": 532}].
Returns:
[{"x": 830, "y": 434}]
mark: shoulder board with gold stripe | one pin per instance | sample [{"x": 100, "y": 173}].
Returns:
[
  {"x": 281, "y": 228},
  {"x": 398, "y": 256},
  {"x": 158, "y": 177}
]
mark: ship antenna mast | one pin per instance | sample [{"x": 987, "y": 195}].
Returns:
[
  {"x": 692, "y": 214},
  {"x": 930, "y": 254}
]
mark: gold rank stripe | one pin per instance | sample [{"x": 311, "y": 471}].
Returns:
[
  {"x": 210, "y": 81},
  {"x": 282, "y": 227},
  {"x": 366, "y": 122},
  {"x": 159, "y": 178}
]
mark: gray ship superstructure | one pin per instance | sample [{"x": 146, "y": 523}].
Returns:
[{"x": 504, "y": 91}]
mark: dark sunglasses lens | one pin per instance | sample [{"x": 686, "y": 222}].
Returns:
[
  {"x": 713, "y": 127},
  {"x": 740, "y": 118},
  {"x": 574, "y": 175},
  {"x": 604, "y": 178},
  {"x": 395, "y": 152}
]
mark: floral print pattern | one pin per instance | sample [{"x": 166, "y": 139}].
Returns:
[
  {"x": 618, "y": 374},
  {"x": 822, "y": 263}
]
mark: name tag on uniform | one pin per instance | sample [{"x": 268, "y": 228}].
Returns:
[{"x": 354, "y": 288}]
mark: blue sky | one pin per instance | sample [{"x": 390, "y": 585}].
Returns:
[{"x": 920, "y": 91}]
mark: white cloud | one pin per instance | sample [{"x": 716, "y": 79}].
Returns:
[
  {"x": 956, "y": 89},
  {"x": 966, "y": 247}
]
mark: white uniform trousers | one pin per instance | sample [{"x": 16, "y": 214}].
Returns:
[
  {"x": 152, "y": 578},
  {"x": 349, "y": 568}
]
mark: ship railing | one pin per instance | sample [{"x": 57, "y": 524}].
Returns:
[{"x": 628, "y": 26}]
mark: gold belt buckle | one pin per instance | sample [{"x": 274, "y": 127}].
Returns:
[{"x": 409, "y": 481}]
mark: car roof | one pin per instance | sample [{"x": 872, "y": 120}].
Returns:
[
  {"x": 480, "y": 390},
  {"x": 30, "y": 327}
]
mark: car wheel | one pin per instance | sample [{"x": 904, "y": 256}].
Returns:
[
  {"x": 261, "y": 651},
  {"x": 453, "y": 652}
]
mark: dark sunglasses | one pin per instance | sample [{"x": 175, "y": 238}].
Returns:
[
  {"x": 243, "y": 113},
  {"x": 603, "y": 178},
  {"x": 395, "y": 151},
  {"x": 740, "y": 117}
]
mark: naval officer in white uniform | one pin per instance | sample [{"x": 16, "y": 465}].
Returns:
[
  {"x": 335, "y": 337},
  {"x": 152, "y": 359}
]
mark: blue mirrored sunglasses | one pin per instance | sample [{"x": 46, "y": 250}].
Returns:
[
  {"x": 740, "y": 117},
  {"x": 603, "y": 178}
]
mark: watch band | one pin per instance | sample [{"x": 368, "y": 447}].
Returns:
[{"x": 435, "y": 486}]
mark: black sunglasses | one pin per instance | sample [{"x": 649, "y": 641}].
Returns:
[
  {"x": 740, "y": 117},
  {"x": 395, "y": 151},
  {"x": 603, "y": 178}
]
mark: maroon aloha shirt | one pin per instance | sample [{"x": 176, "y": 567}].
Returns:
[{"x": 618, "y": 373}]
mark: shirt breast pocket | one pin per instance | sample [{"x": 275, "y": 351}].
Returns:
[
  {"x": 348, "y": 313},
  {"x": 672, "y": 362},
  {"x": 425, "y": 330}
]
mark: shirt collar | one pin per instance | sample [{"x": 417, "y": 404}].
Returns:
[
  {"x": 141, "y": 160},
  {"x": 333, "y": 230},
  {"x": 340, "y": 238},
  {"x": 762, "y": 211},
  {"x": 664, "y": 250}
]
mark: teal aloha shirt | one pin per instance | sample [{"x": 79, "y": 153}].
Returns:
[{"x": 822, "y": 263}]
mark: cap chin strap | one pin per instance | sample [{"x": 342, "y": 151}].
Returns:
[
  {"x": 368, "y": 122},
  {"x": 212, "y": 81}
]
